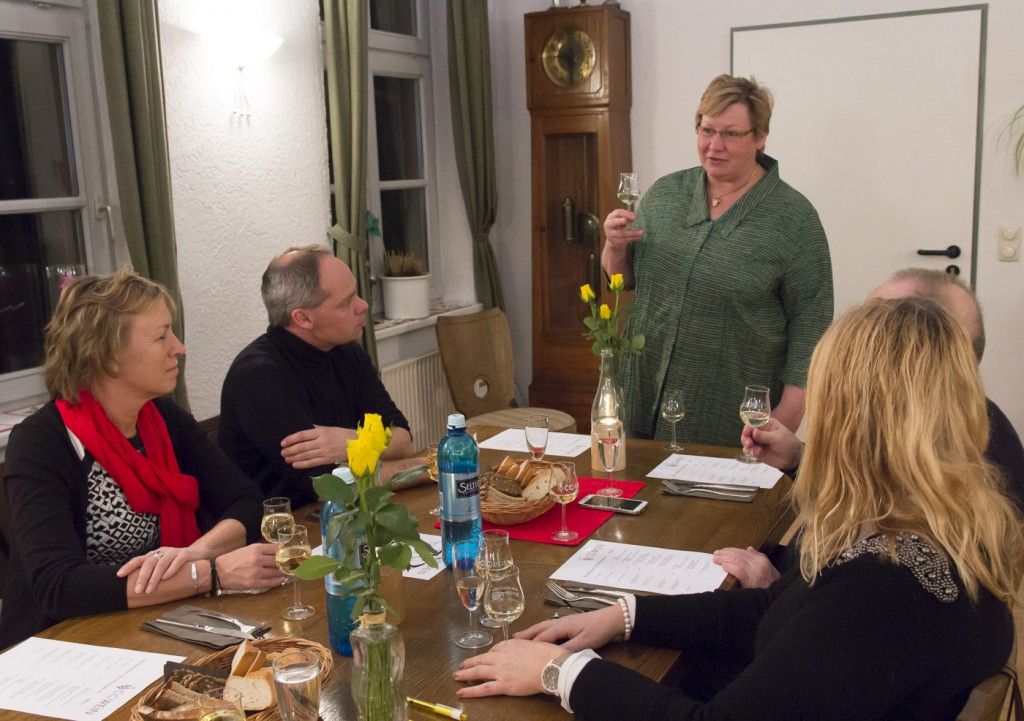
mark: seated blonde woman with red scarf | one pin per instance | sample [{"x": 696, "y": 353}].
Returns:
[{"x": 115, "y": 497}]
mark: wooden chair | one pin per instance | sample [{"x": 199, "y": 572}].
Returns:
[{"x": 476, "y": 353}]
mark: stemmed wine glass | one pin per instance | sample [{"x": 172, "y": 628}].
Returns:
[
  {"x": 673, "y": 410},
  {"x": 504, "y": 599},
  {"x": 470, "y": 584},
  {"x": 431, "y": 462},
  {"x": 755, "y": 410},
  {"x": 536, "y": 430},
  {"x": 564, "y": 489},
  {"x": 629, "y": 192},
  {"x": 609, "y": 434},
  {"x": 492, "y": 561},
  {"x": 277, "y": 519},
  {"x": 292, "y": 550}
]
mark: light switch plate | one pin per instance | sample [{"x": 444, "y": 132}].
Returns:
[{"x": 1009, "y": 243}]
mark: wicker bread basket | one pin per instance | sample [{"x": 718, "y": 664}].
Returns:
[
  {"x": 222, "y": 659},
  {"x": 505, "y": 510}
]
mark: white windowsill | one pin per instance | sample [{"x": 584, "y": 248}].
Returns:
[{"x": 384, "y": 329}]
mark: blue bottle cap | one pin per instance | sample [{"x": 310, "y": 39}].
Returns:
[
  {"x": 345, "y": 474},
  {"x": 456, "y": 420}
]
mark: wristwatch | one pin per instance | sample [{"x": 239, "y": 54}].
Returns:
[{"x": 549, "y": 674}]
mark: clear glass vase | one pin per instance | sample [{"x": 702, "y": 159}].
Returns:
[
  {"x": 378, "y": 665},
  {"x": 608, "y": 403}
]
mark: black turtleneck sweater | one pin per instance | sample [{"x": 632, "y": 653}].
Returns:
[{"x": 279, "y": 385}]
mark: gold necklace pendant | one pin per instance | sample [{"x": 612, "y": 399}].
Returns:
[{"x": 715, "y": 201}]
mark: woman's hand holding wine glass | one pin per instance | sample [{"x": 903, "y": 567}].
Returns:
[{"x": 755, "y": 410}]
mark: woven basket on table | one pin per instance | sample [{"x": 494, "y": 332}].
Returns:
[
  {"x": 222, "y": 659},
  {"x": 505, "y": 510}
]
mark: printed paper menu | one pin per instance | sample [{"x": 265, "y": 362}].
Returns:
[
  {"x": 704, "y": 469},
  {"x": 566, "y": 445},
  {"x": 73, "y": 680},
  {"x": 641, "y": 568}
]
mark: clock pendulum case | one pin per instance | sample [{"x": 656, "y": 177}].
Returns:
[{"x": 578, "y": 92}]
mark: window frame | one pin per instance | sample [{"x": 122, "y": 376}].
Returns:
[
  {"x": 407, "y": 57},
  {"x": 74, "y": 26}
]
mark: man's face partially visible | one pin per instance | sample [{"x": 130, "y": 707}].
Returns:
[{"x": 340, "y": 318}]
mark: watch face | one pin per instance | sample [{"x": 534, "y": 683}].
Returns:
[
  {"x": 568, "y": 57},
  {"x": 549, "y": 677}
]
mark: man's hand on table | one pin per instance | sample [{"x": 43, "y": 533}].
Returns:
[{"x": 317, "y": 446}]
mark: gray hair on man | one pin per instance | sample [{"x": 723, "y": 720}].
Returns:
[{"x": 292, "y": 280}]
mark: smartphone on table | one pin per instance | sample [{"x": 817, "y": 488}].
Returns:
[{"x": 631, "y": 506}]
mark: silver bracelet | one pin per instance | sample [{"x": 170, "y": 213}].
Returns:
[
  {"x": 625, "y": 617},
  {"x": 195, "y": 578}
]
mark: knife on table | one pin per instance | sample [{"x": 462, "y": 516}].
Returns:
[
  {"x": 690, "y": 485},
  {"x": 218, "y": 630}
]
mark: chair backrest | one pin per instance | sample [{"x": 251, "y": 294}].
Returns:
[{"x": 476, "y": 354}]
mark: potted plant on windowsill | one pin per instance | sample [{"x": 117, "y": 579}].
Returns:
[{"x": 406, "y": 286}]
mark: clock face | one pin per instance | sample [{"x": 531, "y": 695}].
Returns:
[{"x": 568, "y": 57}]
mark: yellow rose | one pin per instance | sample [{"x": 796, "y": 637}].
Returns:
[
  {"x": 616, "y": 282},
  {"x": 586, "y": 293},
  {"x": 362, "y": 456},
  {"x": 606, "y": 312},
  {"x": 373, "y": 429}
]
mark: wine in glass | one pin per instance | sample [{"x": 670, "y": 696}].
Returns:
[
  {"x": 673, "y": 410},
  {"x": 277, "y": 519},
  {"x": 629, "y": 193},
  {"x": 609, "y": 434},
  {"x": 564, "y": 489},
  {"x": 755, "y": 410},
  {"x": 470, "y": 583},
  {"x": 292, "y": 550},
  {"x": 492, "y": 561},
  {"x": 431, "y": 463},
  {"x": 504, "y": 600},
  {"x": 536, "y": 431}
]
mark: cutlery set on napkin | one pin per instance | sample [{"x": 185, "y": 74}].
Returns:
[
  {"x": 580, "y": 598},
  {"x": 714, "y": 491},
  {"x": 206, "y": 627}
]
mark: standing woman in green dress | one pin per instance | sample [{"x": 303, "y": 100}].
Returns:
[{"x": 732, "y": 275}]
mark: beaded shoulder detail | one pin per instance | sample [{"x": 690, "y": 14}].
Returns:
[{"x": 930, "y": 567}]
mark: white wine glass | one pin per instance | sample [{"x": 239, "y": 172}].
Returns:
[
  {"x": 673, "y": 411},
  {"x": 277, "y": 519},
  {"x": 504, "y": 599},
  {"x": 535, "y": 428},
  {"x": 292, "y": 550},
  {"x": 431, "y": 463},
  {"x": 564, "y": 490},
  {"x": 470, "y": 584},
  {"x": 755, "y": 410},
  {"x": 609, "y": 434},
  {"x": 629, "y": 193},
  {"x": 493, "y": 560}
]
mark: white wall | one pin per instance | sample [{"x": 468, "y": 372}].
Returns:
[{"x": 677, "y": 47}]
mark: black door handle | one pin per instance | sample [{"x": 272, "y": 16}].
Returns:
[{"x": 952, "y": 251}]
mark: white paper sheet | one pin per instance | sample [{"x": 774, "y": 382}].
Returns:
[
  {"x": 567, "y": 445},
  {"x": 641, "y": 568},
  {"x": 74, "y": 681},
  {"x": 702, "y": 469}
]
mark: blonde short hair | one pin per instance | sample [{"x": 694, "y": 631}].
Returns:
[
  {"x": 896, "y": 434},
  {"x": 726, "y": 90},
  {"x": 91, "y": 324}
]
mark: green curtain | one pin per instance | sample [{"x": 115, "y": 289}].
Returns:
[
  {"x": 345, "y": 27},
  {"x": 469, "y": 72},
  {"x": 130, "y": 46}
]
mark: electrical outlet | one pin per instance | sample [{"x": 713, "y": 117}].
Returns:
[{"x": 1009, "y": 243}]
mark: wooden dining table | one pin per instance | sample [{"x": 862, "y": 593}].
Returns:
[{"x": 435, "y": 616}]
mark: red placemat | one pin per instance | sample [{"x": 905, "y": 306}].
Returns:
[{"x": 582, "y": 520}]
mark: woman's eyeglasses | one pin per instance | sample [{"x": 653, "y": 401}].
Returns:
[{"x": 728, "y": 136}]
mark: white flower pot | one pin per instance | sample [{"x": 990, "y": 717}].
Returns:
[{"x": 406, "y": 297}]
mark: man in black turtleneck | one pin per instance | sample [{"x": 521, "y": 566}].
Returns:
[{"x": 292, "y": 398}]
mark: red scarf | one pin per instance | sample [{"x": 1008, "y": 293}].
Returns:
[{"x": 152, "y": 483}]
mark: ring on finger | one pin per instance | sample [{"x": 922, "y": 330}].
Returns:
[{"x": 157, "y": 554}]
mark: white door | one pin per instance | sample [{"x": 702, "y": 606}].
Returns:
[{"x": 876, "y": 122}]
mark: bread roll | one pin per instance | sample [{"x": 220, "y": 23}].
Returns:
[
  {"x": 538, "y": 483},
  {"x": 256, "y": 689},
  {"x": 247, "y": 658}
]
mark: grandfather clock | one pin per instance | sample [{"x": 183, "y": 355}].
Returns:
[{"x": 579, "y": 94}]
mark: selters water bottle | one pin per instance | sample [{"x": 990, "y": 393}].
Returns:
[
  {"x": 458, "y": 468},
  {"x": 340, "y": 600}
]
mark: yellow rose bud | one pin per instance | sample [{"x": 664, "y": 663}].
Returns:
[
  {"x": 606, "y": 312},
  {"x": 373, "y": 428},
  {"x": 586, "y": 293},
  {"x": 362, "y": 456},
  {"x": 616, "y": 283}
]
